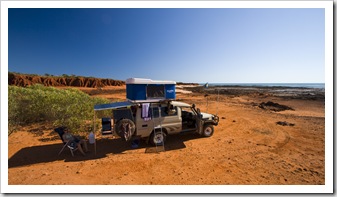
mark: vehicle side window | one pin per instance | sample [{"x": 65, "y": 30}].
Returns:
[
  {"x": 155, "y": 112},
  {"x": 164, "y": 112}
]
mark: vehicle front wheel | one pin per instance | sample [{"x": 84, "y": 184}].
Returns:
[
  {"x": 158, "y": 138},
  {"x": 208, "y": 130}
]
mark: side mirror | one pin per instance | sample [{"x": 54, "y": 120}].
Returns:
[{"x": 193, "y": 105}]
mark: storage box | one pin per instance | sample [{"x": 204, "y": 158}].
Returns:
[{"x": 147, "y": 90}]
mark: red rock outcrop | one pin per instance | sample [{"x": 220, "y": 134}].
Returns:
[{"x": 27, "y": 80}]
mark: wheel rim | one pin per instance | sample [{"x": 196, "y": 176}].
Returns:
[
  {"x": 208, "y": 131},
  {"x": 158, "y": 138}
]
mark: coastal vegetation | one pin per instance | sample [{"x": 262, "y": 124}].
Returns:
[{"x": 63, "y": 107}]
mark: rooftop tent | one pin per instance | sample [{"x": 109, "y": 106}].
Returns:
[{"x": 146, "y": 90}]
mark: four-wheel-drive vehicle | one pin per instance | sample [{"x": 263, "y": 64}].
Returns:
[{"x": 155, "y": 121}]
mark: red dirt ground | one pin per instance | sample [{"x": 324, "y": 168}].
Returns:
[{"x": 247, "y": 148}]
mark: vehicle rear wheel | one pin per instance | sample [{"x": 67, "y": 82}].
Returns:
[
  {"x": 208, "y": 130},
  {"x": 157, "y": 138}
]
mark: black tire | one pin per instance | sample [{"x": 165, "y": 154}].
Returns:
[
  {"x": 158, "y": 138},
  {"x": 125, "y": 128},
  {"x": 208, "y": 130}
]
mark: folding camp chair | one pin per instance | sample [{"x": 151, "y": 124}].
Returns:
[{"x": 60, "y": 131}]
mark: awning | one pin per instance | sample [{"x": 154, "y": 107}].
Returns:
[{"x": 115, "y": 105}]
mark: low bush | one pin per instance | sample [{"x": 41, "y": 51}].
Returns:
[{"x": 67, "y": 107}]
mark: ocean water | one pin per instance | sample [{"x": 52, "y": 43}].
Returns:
[{"x": 289, "y": 85}]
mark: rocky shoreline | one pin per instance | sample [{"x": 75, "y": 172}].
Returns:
[{"x": 277, "y": 91}]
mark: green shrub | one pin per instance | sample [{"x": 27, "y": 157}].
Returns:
[{"x": 68, "y": 107}]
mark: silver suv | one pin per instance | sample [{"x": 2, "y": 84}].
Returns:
[{"x": 155, "y": 121}]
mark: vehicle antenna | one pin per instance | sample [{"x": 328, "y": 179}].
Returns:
[
  {"x": 217, "y": 103},
  {"x": 206, "y": 95}
]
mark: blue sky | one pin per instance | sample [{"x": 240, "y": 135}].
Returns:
[{"x": 234, "y": 45}]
